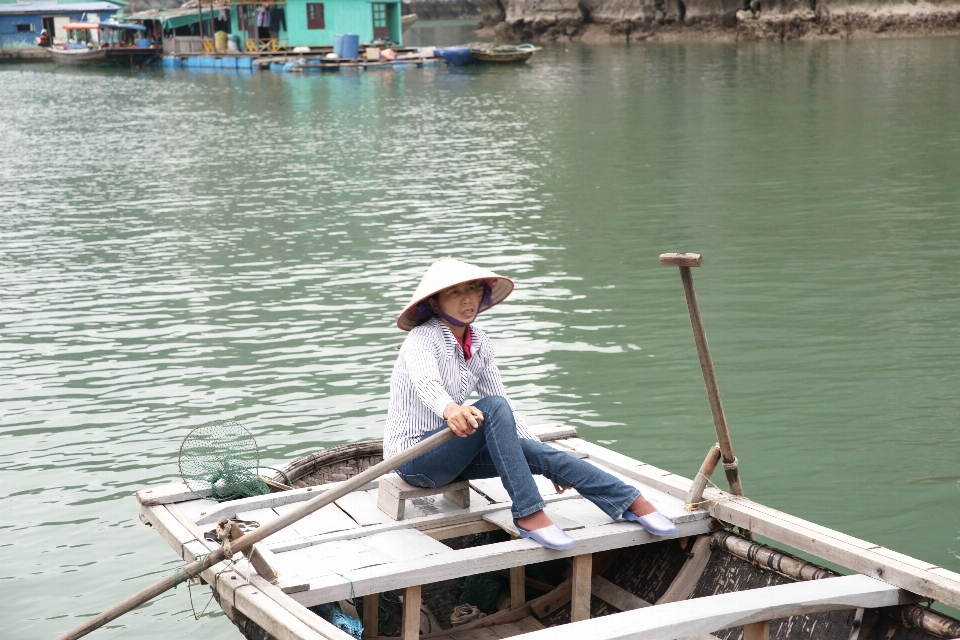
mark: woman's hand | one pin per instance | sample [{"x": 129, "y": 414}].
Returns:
[{"x": 463, "y": 421}]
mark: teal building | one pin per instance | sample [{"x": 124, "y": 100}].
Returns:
[{"x": 304, "y": 23}]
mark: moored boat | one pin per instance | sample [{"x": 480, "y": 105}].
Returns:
[
  {"x": 93, "y": 43},
  {"x": 502, "y": 53}
]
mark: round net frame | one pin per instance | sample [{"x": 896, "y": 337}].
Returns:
[{"x": 220, "y": 459}]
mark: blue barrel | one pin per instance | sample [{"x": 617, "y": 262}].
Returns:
[
  {"x": 338, "y": 45},
  {"x": 351, "y": 46}
]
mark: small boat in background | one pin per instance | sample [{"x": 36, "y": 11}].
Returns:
[
  {"x": 486, "y": 52},
  {"x": 90, "y": 43},
  {"x": 502, "y": 53},
  {"x": 82, "y": 45}
]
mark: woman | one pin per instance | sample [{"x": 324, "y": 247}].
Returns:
[{"x": 441, "y": 363}]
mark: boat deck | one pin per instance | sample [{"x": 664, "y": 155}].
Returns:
[{"x": 352, "y": 548}]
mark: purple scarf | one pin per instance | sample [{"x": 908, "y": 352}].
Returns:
[{"x": 425, "y": 311}]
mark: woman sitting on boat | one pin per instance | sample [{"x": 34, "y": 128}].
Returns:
[{"x": 443, "y": 360}]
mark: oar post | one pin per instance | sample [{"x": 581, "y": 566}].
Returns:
[{"x": 686, "y": 261}]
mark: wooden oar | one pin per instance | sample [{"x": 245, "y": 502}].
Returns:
[
  {"x": 685, "y": 261},
  {"x": 245, "y": 542}
]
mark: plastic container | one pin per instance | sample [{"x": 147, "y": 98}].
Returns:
[
  {"x": 351, "y": 46},
  {"x": 338, "y": 45},
  {"x": 144, "y": 43}
]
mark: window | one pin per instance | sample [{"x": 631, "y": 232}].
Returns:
[
  {"x": 315, "y": 15},
  {"x": 24, "y": 27}
]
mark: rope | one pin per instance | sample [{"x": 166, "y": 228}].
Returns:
[
  {"x": 693, "y": 506},
  {"x": 730, "y": 466},
  {"x": 465, "y": 613}
]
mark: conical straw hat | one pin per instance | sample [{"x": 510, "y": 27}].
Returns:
[{"x": 445, "y": 273}]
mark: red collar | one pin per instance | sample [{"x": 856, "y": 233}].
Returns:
[{"x": 466, "y": 343}]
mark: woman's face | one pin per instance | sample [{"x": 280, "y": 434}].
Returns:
[{"x": 461, "y": 301}]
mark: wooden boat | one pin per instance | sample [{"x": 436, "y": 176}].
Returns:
[
  {"x": 502, "y": 53},
  {"x": 114, "y": 43},
  {"x": 404, "y": 557},
  {"x": 705, "y": 580},
  {"x": 78, "y": 57},
  {"x": 81, "y": 47}
]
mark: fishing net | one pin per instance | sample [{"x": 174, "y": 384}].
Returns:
[{"x": 220, "y": 458}]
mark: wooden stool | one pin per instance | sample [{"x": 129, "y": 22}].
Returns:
[{"x": 393, "y": 491}]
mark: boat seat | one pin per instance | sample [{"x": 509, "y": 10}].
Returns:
[{"x": 393, "y": 492}]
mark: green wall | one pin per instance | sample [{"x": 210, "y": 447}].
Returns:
[{"x": 340, "y": 16}]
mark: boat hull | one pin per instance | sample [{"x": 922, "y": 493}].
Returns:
[
  {"x": 78, "y": 57},
  {"x": 488, "y": 57}
]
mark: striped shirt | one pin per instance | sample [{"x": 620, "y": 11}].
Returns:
[{"x": 430, "y": 374}]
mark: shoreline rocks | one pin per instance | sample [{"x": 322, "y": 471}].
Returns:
[{"x": 606, "y": 21}]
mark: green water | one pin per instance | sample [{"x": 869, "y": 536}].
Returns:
[{"x": 178, "y": 246}]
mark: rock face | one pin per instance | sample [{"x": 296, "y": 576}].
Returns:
[{"x": 720, "y": 20}]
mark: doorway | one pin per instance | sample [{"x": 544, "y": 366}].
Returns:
[{"x": 381, "y": 28}]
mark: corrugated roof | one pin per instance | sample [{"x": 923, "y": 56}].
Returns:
[{"x": 52, "y": 7}]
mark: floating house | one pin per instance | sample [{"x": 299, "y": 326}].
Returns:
[
  {"x": 276, "y": 25},
  {"x": 21, "y": 23}
]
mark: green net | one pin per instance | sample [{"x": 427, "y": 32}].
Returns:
[{"x": 220, "y": 458}]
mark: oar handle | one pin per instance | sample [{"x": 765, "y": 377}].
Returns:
[
  {"x": 685, "y": 261},
  {"x": 245, "y": 542}
]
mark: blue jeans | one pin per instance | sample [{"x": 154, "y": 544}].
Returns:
[{"x": 496, "y": 450}]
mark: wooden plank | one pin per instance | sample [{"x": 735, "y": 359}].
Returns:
[
  {"x": 841, "y": 549},
  {"x": 405, "y": 544},
  {"x": 270, "y": 616},
  {"x": 362, "y": 507},
  {"x": 548, "y": 432},
  {"x": 504, "y": 520},
  {"x": 395, "y": 486},
  {"x": 492, "y": 488},
  {"x": 518, "y": 587},
  {"x": 272, "y": 500},
  {"x": 757, "y": 631},
  {"x": 688, "y": 576},
  {"x": 410, "y": 624},
  {"x": 705, "y": 615},
  {"x": 550, "y": 602},
  {"x": 681, "y": 259},
  {"x": 581, "y": 511},
  {"x": 392, "y": 506},
  {"x": 614, "y": 595},
  {"x": 174, "y": 533},
  {"x": 581, "y": 587},
  {"x": 669, "y": 483},
  {"x": 493, "y": 557},
  {"x": 371, "y": 615},
  {"x": 298, "y": 611},
  {"x": 530, "y": 624},
  {"x": 193, "y": 510},
  {"x": 264, "y": 516},
  {"x": 340, "y": 557},
  {"x": 326, "y": 520},
  {"x": 440, "y": 518},
  {"x": 457, "y": 530},
  {"x": 440, "y": 505},
  {"x": 169, "y": 493}
]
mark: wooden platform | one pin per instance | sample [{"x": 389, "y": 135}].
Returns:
[{"x": 351, "y": 548}]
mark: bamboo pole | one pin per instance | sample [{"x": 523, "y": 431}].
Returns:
[
  {"x": 245, "y": 542},
  {"x": 685, "y": 261}
]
